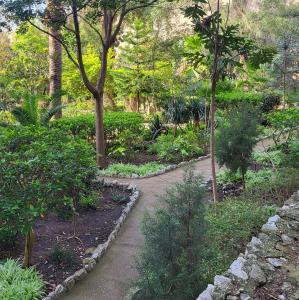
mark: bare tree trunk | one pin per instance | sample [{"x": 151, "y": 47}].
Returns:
[
  {"x": 99, "y": 110},
  {"x": 28, "y": 248},
  {"x": 55, "y": 61},
  {"x": 100, "y": 137},
  {"x": 214, "y": 80},
  {"x": 212, "y": 140}
]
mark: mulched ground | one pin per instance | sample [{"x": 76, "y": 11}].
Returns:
[{"x": 93, "y": 227}]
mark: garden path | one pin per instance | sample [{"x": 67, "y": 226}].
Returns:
[{"x": 111, "y": 277}]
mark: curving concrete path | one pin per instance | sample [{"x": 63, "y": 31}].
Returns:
[{"x": 111, "y": 278}]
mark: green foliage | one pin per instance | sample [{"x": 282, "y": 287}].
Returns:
[
  {"x": 119, "y": 197},
  {"x": 114, "y": 123},
  {"x": 63, "y": 258},
  {"x": 41, "y": 170},
  {"x": 18, "y": 283},
  {"x": 185, "y": 145},
  {"x": 274, "y": 157},
  {"x": 234, "y": 98},
  {"x": 129, "y": 169},
  {"x": 176, "y": 112},
  {"x": 157, "y": 127},
  {"x": 229, "y": 226},
  {"x": 173, "y": 237},
  {"x": 236, "y": 138},
  {"x": 30, "y": 114},
  {"x": 263, "y": 55}
]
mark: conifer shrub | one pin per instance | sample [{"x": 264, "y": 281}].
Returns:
[
  {"x": 173, "y": 237},
  {"x": 236, "y": 137}
]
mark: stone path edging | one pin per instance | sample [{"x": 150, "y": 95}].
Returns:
[
  {"x": 90, "y": 262},
  {"x": 262, "y": 259}
]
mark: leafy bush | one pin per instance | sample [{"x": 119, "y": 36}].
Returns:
[
  {"x": 129, "y": 169},
  {"x": 41, "y": 170},
  {"x": 185, "y": 145},
  {"x": 63, "y": 258},
  {"x": 114, "y": 123},
  {"x": 282, "y": 121},
  {"x": 274, "y": 157},
  {"x": 17, "y": 283},
  {"x": 173, "y": 237},
  {"x": 126, "y": 143},
  {"x": 234, "y": 98},
  {"x": 265, "y": 102},
  {"x": 291, "y": 158}
]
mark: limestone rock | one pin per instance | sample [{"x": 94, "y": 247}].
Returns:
[
  {"x": 257, "y": 275},
  {"x": 237, "y": 268}
]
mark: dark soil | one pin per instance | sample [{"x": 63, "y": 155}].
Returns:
[{"x": 93, "y": 227}]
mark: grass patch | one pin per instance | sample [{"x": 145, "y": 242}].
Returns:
[{"x": 130, "y": 169}]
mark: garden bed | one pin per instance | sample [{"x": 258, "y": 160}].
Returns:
[
  {"x": 150, "y": 169},
  {"x": 57, "y": 254}
]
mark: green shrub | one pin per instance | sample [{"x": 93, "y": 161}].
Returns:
[
  {"x": 184, "y": 146},
  {"x": 230, "y": 224},
  {"x": 273, "y": 157},
  {"x": 291, "y": 158},
  {"x": 266, "y": 102},
  {"x": 41, "y": 170},
  {"x": 234, "y": 98},
  {"x": 173, "y": 237},
  {"x": 236, "y": 138},
  {"x": 114, "y": 123},
  {"x": 129, "y": 169},
  {"x": 17, "y": 283},
  {"x": 64, "y": 258}
]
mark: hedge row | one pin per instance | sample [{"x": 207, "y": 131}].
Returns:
[{"x": 114, "y": 123}]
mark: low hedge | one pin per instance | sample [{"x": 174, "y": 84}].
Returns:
[
  {"x": 265, "y": 101},
  {"x": 114, "y": 123}
]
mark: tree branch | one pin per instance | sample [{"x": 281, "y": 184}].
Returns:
[
  {"x": 57, "y": 39},
  {"x": 93, "y": 27},
  {"x": 85, "y": 79}
]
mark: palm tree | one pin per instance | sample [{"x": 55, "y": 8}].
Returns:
[
  {"x": 30, "y": 113},
  {"x": 54, "y": 18}
]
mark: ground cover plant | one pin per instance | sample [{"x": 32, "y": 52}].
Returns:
[
  {"x": 131, "y": 170},
  {"x": 18, "y": 283}
]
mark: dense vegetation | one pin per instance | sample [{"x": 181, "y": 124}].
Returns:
[{"x": 128, "y": 88}]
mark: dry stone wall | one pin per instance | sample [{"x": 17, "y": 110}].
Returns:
[{"x": 269, "y": 268}]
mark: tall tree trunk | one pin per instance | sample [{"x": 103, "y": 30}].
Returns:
[
  {"x": 55, "y": 59},
  {"x": 214, "y": 79}
]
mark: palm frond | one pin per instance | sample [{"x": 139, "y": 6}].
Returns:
[
  {"x": 22, "y": 116},
  {"x": 49, "y": 114}
]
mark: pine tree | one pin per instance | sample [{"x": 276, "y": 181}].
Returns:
[
  {"x": 236, "y": 138},
  {"x": 132, "y": 78}
]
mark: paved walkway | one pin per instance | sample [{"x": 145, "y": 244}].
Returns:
[{"x": 111, "y": 278}]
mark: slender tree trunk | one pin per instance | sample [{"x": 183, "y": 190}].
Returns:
[
  {"x": 212, "y": 140},
  {"x": 214, "y": 80},
  {"x": 99, "y": 111},
  {"x": 100, "y": 137},
  {"x": 55, "y": 62},
  {"x": 28, "y": 248}
]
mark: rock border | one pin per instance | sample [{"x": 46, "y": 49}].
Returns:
[
  {"x": 262, "y": 257},
  {"x": 90, "y": 262},
  {"x": 160, "y": 172}
]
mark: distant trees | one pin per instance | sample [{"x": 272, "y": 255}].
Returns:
[{"x": 105, "y": 18}]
